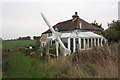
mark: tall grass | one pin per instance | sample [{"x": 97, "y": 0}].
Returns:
[{"x": 100, "y": 62}]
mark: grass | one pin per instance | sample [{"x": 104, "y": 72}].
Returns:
[
  {"x": 19, "y": 43},
  {"x": 15, "y": 45},
  {"x": 99, "y": 62},
  {"x": 20, "y": 66}
]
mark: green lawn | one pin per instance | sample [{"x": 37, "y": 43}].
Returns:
[{"x": 21, "y": 66}]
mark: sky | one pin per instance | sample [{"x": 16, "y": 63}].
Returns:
[{"x": 20, "y": 18}]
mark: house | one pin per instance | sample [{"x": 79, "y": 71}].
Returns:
[{"x": 76, "y": 34}]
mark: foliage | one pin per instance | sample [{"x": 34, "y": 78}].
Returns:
[
  {"x": 98, "y": 63},
  {"x": 37, "y": 44},
  {"x": 97, "y": 25},
  {"x": 115, "y": 25},
  {"x": 36, "y": 37},
  {"x": 5, "y": 48},
  {"x": 52, "y": 49},
  {"x": 113, "y": 31},
  {"x": 40, "y": 49}
]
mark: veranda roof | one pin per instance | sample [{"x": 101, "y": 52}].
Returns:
[{"x": 77, "y": 34}]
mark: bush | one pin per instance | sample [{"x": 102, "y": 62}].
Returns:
[
  {"x": 40, "y": 49},
  {"x": 101, "y": 62},
  {"x": 112, "y": 33},
  {"x": 52, "y": 49}
]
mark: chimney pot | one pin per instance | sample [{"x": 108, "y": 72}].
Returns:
[{"x": 75, "y": 13}]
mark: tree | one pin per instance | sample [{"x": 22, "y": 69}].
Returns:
[
  {"x": 113, "y": 31},
  {"x": 115, "y": 25},
  {"x": 97, "y": 25},
  {"x": 36, "y": 37}
]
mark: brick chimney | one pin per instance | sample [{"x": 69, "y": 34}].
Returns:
[{"x": 75, "y": 16}]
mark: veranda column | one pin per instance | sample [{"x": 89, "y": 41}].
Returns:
[
  {"x": 79, "y": 42},
  {"x": 50, "y": 42},
  {"x": 56, "y": 43},
  {"x": 91, "y": 42},
  {"x": 88, "y": 43},
  {"x": 84, "y": 43},
  {"x": 98, "y": 42},
  {"x": 68, "y": 43},
  {"x": 74, "y": 45},
  {"x": 94, "y": 41},
  {"x": 101, "y": 41}
]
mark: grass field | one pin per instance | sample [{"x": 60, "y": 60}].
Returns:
[
  {"x": 14, "y": 45},
  {"x": 18, "y": 65},
  {"x": 100, "y": 62},
  {"x": 19, "y": 43}
]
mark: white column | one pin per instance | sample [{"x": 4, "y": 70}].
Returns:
[
  {"x": 79, "y": 42},
  {"x": 51, "y": 42},
  {"x": 88, "y": 43},
  {"x": 98, "y": 42},
  {"x": 101, "y": 41},
  {"x": 84, "y": 43},
  {"x": 56, "y": 42},
  {"x": 91, "y": 42},
  {"x": 74, "y": 44},
  {"x": 94, "y": 41},
  {"x": 68, "y": 43}
]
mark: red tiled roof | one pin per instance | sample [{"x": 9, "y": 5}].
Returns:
[{"x": 75, "y": 23}]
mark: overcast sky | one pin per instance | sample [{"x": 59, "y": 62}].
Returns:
[{"x": 22, "y": 17}]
